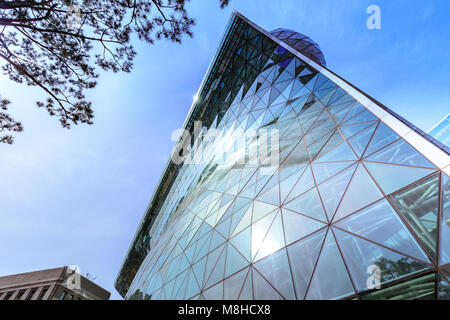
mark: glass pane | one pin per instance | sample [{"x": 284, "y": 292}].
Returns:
[
  {"x": 192, "y": 287},
  {"x": 383, "y": 173},
  {"x": 356, "y": 109},
  {"x": 297, "y": 226},
  {"x": 262, "y": 289},
  {"x": 235, "y": 261},
  {"x": 444, "y": 287},
  {"x": 217, "y": 273},
  {"x": 419, "y": 207},
  {"x": 247, "y": 289},
  {"x": 379, "y": 223},
  {"x": 340, "y": 153},
  {"x": 242, "y": 242},
  {"x": 199, "y": 270},
  {"x": 422, "y": 288},
  {"x": 351, "y": 130},
  {"x": 273, "y": 241},
  {"x": 335, "y": 139},
  {"x": 364, "y": 116},
  {"x": 305, "y": 183},
  {"x": 261, "y": 209},
  {"x": 213, "y": 258},
  {"x": 360, "y": 192},
  {"x": 275, "y": 269},
  {"x": 215, "y": 292},
  {"x": 360, "y": 141},
  {"x": 330, "y": 279},
  {"x": 401, "y": 152},
  {"x": 325, "y": 170},
  {"x": 303, "y": 257},
  {"x": 233, "y": 285},
  {"x": 332, "y": 190},
  {"x": 287, "y": 184},
  {"x": 445, "y": 221},
  {"x": 361, "y": 254},
  {"x": 271, "y": 196},
  {"x": 382, "y": 137},
  {"x": 308, "y": 204}
]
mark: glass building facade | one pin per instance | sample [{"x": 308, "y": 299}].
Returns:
[{"x": 356, "y": 206}]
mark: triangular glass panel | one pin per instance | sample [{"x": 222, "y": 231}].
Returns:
[
  {"x": 303, "y": 257},
  {"x": 404, "y": 175},
  {"x": 217, "y": 273},
  {"x": 232, "y": 286},
  {"x": 308, "y": 204},
  {"x": 444, "y": 287},
  {"x": 298, "y": 90},
  {"x": 202, "y": 247},
  {"x": 244, "y": 222},
  {"x": 324, "y": 170},
  {"x": 242, "y": 242},
  {"x": 360, "y": 255},
  {"x": 179, "y": 287},
  {"x": 419, "y": 207},
  {"x": 360, "y": 141},
  {"x": 261, "y": 209},
  {"x": 273, "y": 240},
  {"x": 330, "y": 279},
  {"x": 192, "y": 287},
  {"x": 213, "y": 259},
  {"x": 297, "y": 226},
  {"x": 287, "y": 184},
  {"x": 333, "y": 189},
  {"x": 214, "y": 293},
  {"x": 259, "y": 231},
  {"x": 229, "y": 225},
  {"x": 275, "y": 268},
  {"x": 262, "y": 289},
  {"x": 351, "y": 130},
  {"x": 247, "y": 289},
  {"x": 305, "y": 183},
  {"x": 379, "y": 223},
  {"x": 216, "y": 240},
  {"x": 361, "y": 192},
  {"x": 235, "y": 261},
  {"x": 335, "y": 139},
  {"x": 199, "y": 269},
  {"x": 445, "y": 221},
  {"x": 271, "y": 196},
  {"x": 356, "y": 109},
  {"x": 401, "y": 152},
  {"x": 364, "y": 116},
  {"x": 382, "y": 137},
  {"x": 340, "y": 153}
]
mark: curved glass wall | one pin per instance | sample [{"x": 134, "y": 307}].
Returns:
[{"x": 349, "y": 209}]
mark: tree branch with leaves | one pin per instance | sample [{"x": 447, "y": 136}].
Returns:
[{"x": 40, "y": 46}]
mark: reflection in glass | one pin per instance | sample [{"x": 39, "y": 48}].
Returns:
[
  {"x": 379, "y": 223},
  {"x": 401, "y": 152},
  {"x": 419, "y": 206},
  {"x": 303, "y": 257},
  {"x": 329, "y": 268},
  {"x": 360, "y": 254},
  {"x": 422, "y": 288},
  {"x": 445, "y": 221},
  {"x": 444, "y": 287}
]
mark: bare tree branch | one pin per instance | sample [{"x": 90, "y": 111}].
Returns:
[{"x": 39, "y": 47}]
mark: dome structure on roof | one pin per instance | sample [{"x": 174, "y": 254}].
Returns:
[{"x": 301, "y": 43}]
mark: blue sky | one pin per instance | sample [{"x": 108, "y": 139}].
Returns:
[{"x": 77, "y": 196}]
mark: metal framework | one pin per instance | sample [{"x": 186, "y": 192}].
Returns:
[{"x": 357, "y": 186}]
